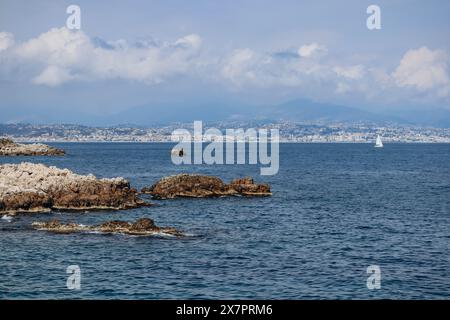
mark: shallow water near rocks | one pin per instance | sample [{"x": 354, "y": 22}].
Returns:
[{"x": 335, "y": 210}]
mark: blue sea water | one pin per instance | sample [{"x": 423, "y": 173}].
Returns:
[{"x": 335, "y": 210}]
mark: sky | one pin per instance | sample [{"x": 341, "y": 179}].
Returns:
[{"x": 186, "y": 55}]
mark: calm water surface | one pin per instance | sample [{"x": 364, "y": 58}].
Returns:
[{"x": 335, "y": 210}]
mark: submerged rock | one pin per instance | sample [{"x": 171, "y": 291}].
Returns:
[
  {"x": 142, "y": 227},
  {"x": 10, "y": 148},
  {"x": 200, "y": 186},
  {"x": 29, "y": 187}
]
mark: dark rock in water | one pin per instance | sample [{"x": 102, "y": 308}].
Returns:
[
  {"x": 114, "y": 225},
  {"x": 248, "y": 187},
  {"x": 10, "y": 148},
  {"x": 29, "y": 187},
  {"x": 141, "y": 227},
  {"x": 143, "y": 224},
  {"x": 200, "y": 186}
]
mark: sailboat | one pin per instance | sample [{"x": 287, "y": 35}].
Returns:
[{"x": 378, "y": 143}]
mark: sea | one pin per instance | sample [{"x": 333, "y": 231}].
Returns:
[{"x": 345, "y": 221}]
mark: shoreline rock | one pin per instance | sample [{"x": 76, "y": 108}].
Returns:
[
  {"x": 141, "y": 227},
  {"x": 28, "y": 187},
  {"x": 10, "y": 148},
  {"x": 201, "y": 186}
]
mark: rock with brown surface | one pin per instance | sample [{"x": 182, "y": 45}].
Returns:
[
  {"x": 29, "y": 187},
  {"x": 141, "y": 227},
  {"x": 248, "y": 187},
  {"x": 200, "y": 186},
  {"x": 10, "y": 148}
]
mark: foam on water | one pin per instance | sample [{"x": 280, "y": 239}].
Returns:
[{"x": 7, "y": 218}]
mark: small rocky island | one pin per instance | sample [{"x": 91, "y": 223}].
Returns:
[
  {"x": 141, "y": 227},
  {"x": 201, "y": 186},
  {"x": 29, "y": 187},
  {"x": 10, "y": 148}
]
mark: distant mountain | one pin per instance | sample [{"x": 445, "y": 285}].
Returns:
[
  {"x": 430, "y": 116},
  {"x": 165, "y": 114},
  {"x": 297, "y": 110},
  {"x": 306, "y": 110},
  {"x": 300, "y": 110}
]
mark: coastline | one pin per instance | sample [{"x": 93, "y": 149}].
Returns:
[{"x": 385, "y": 141}]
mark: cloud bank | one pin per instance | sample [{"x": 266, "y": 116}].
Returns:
[
  {"x": 420, "y": 74},
  {"x": 60, "y": 56},
  {"x": 424, "y": 69}
]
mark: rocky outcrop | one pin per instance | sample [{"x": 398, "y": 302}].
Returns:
[
  {"x": 10, "y": 148},
  {"x": 29, "y": 187},
  {"x": 142, "y": 227},
  {"x": 200, "y": 186},
  {"x": 247, "y": 187}
]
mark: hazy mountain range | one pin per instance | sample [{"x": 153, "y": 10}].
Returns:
[{"x": 299, "y": 110}]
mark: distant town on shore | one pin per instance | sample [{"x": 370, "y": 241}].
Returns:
[{"x": 289, "y": 132}]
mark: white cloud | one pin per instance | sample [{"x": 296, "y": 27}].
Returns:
[
  {"x": 190, "y": 41},
  {"x": 246, "y": 68},
  {"x": 6, "y": 40},
  {"x": 421, "y": 76},
  {"x": 53, "y": 76},
  {"x": 239, "y": 65},
  {"x": 310, "y": 49},
  {"x": 423, "y": 69},
  {"x": 61, "y": 55},
  {"x": 350, "y": 72}
]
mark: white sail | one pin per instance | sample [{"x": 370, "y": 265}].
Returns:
[{"x": 378, "y": 143}]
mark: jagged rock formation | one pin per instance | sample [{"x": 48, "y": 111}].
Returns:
[
  {"x": 10, "y": 148},
  {"x": 29, "y": 187},
  {"x": 200, "y": 186},
  {"x": 142, "y": 227}
]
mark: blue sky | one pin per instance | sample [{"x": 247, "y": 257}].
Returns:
[{"x": 182, "y": 54}]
